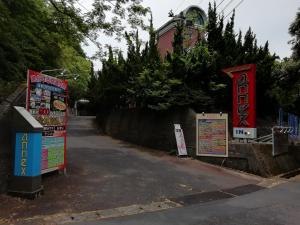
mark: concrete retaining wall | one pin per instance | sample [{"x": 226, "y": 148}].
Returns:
[
  {"x": 258, "y": 159},
  {"x": 156, "y": 130},
  {"x": 150, "y": 128},
  {"x": 17, "y": 98}
]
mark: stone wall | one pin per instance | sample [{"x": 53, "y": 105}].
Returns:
[
  {"x": 156, "y": 130},
  {"x": 17, "y": 98}
]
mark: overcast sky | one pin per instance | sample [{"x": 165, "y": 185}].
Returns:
[{"x": 269, "y": 19}]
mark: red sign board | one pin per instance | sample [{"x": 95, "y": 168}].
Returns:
[
  {"x": 47, "y": 102},
  {"x": 244, "y": 100}
]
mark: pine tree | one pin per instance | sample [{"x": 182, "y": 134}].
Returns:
[
  {"x": 153, "y": 55},
  {"x": 178, "y": 39},
  {"x": 294, "y": 30},
  {"x": 248, "y": 45},
  {"x": 93, "y": 78},
  {"x": 230, "y": 45}
]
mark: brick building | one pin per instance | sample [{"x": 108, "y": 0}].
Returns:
[{"x": 193, "y": 18}]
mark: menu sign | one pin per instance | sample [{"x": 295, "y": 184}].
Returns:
[
  {"x": 47, "y": 102},
  {"x": 212, "y": 135}
]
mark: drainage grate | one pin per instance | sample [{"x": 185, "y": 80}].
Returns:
[
  {"x": 243, "y": 190},
  {"x": 216, "y": 195},
  {"x": 201, "y": 198}
]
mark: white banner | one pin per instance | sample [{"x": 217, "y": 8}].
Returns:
[{"x": 181, "y": 147}]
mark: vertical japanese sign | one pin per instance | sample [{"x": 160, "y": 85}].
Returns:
[
  {"x": 47, "y": 102},
  {"x": 181, "y": 147},
  {"x": 244, "y": 100},
  {"x": 212, "y": 135}
]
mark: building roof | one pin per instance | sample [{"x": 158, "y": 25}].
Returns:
[{"x": 182, "y": 15}]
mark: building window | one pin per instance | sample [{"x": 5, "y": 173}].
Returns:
[{"x": 195, "y": 16}]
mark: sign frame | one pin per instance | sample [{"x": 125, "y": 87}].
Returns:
[{"x": 212, "y": 116}]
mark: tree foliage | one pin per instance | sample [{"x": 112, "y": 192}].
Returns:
[
  {"x": 295, "y": 32},
  {"x": 48, "y": 34},
  {"x": 286, "y": 88},
  {"x": 34, "y": 35},
  {"x": 186, "y": 78}
]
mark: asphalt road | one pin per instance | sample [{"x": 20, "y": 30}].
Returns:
[
  {"x": 276, "y": 206},
  {"x": 104, "y": 174}
]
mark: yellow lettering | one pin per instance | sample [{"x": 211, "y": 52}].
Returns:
[
  {"x": 23, "y": 171},
  {"x": 25, "y": 137},
  {"x": 24, "y": 162},
  {"x": 24, "y": 153}
]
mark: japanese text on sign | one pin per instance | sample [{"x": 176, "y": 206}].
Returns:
[{"x": 212, "y": 136}]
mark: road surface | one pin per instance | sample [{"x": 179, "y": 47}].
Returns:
[{"x": 108, "y": 178}]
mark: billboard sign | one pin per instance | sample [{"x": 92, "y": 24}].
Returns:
[
  {"x": 47, "y": 102},
  {"x": 212, "y": 135},
  {"x": 244, "y": 100}
]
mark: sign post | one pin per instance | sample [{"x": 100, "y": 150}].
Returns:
[
  {"x": 244, "y": 100},
  {"x": 47, "y": 102}
]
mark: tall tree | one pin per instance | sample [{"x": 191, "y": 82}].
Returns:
[
  {"x": 295, "y": 32},
  {"x": 177, "y": 43}
]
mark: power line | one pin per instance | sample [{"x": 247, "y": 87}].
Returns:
[
  {"x": 110, "y": 2},
  {"x": 179, "y": 5},
  {"x": 200, "y": 2},
  {"x": 220, "y": 3},
  {"x": 234, "y": 8},
  {"x": 226, "y": 6},
  {"x": 78, "y": 2}
]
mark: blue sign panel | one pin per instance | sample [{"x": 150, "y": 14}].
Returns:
[{"x": 28, "y": 150}]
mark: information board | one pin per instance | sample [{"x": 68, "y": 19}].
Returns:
[
  {"x": 47, "y": 102},
  {"x": 212, "y": 135}
]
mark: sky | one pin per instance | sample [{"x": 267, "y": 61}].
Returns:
[{"x": 269, "y": 20}]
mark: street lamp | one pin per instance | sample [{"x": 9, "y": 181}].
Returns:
[
  {"x": 54, "y": 70},
  {"x": 62, "y": 74},
  {"x": 69, "y": 76}
]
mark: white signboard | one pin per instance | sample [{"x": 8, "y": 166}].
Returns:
[
  {"x": 180, "y": 140},
  {"x": 245, "y": 133},
  {"x": 212, "y": 135}
]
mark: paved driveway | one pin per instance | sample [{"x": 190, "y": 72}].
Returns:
[{"x": 104, "y": 173}]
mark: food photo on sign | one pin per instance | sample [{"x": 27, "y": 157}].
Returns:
[{"x": 47, "y": 102}]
